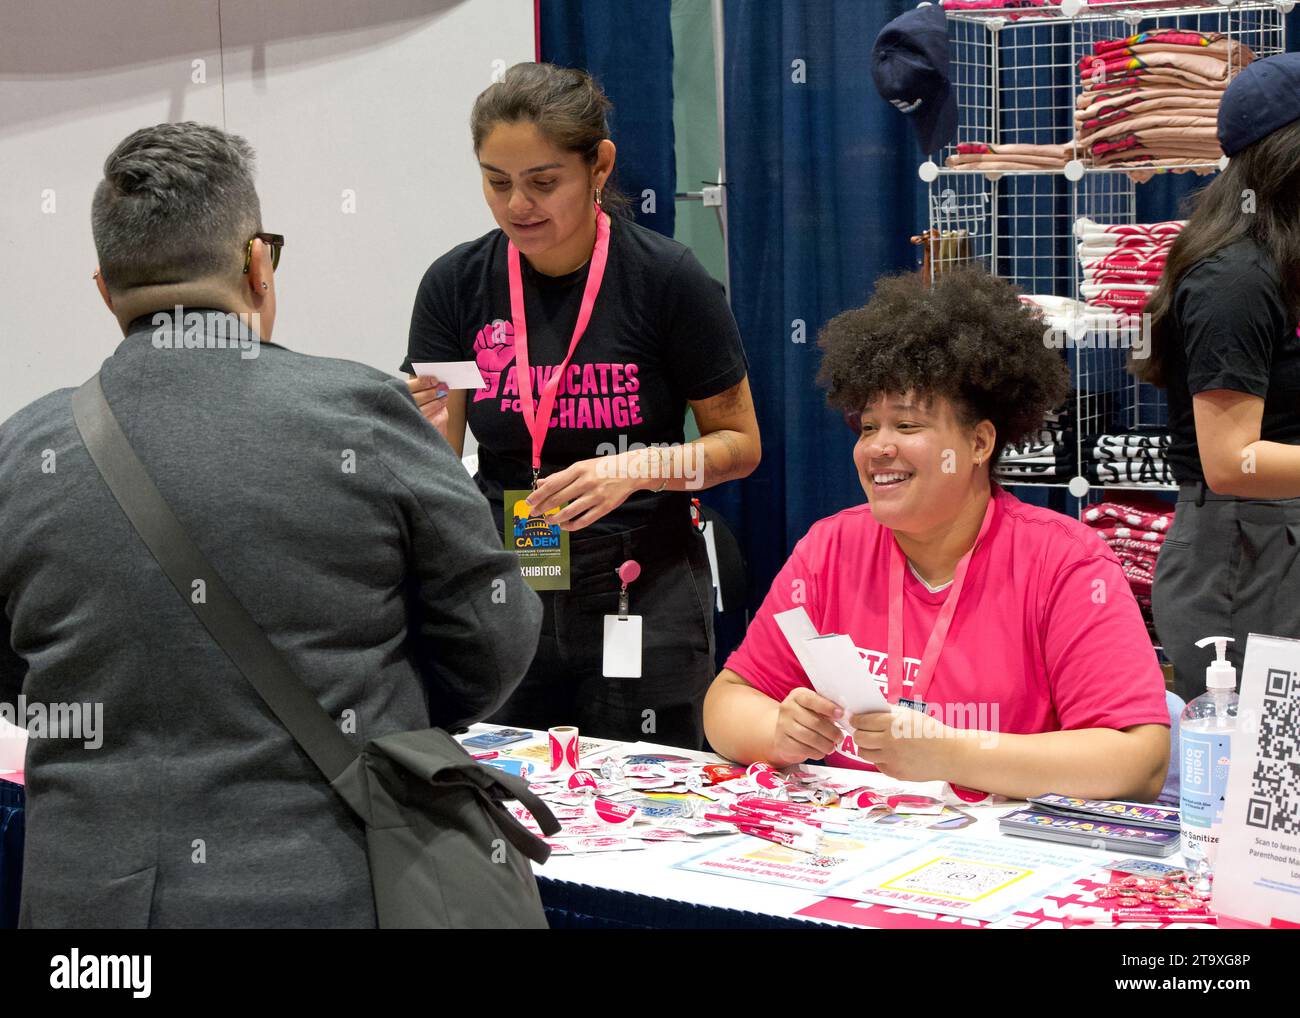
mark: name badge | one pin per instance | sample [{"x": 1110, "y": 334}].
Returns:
[
  {"x": 917, "y": 705},
  {"x": 541, "y": 546},
  {"x": 621, "y": 658}
]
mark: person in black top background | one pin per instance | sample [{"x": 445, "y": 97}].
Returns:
[
  {"x": 661, "y": 337},
  {"x": 1225, "y": 345}
]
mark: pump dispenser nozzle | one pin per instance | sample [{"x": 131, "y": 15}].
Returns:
[{"x": 1220, "y": 674}]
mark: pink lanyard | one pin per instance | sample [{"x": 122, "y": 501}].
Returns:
[
  {"x": 934, "y": 645},
  {"x": 538, "y": 418}
]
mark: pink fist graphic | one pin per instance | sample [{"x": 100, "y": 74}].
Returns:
[{"x": 495, "y": 347}]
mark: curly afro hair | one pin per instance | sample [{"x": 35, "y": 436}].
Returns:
[{"x": 968, "y": 338}]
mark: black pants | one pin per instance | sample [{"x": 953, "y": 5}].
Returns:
[
  {"x": 1229, "y": 567},
  {"x": 673, "y": 596}
]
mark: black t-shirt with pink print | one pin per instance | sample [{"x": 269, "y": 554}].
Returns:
[{"x": 661, "y": 334}]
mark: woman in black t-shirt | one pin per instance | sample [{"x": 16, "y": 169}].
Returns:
[
  {"x": 1224, "y": 329},
  {"x": 614, "y": 461}
]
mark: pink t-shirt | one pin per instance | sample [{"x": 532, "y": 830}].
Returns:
[{"x": 1047, "y": 634}]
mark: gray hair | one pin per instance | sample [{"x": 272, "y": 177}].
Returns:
[{"x": 177, "y": 203}]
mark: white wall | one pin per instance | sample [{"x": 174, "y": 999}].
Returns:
[{"x": 370, "y": 97}]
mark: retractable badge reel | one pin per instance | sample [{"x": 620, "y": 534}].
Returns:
[{"x": 622, "y": 658}]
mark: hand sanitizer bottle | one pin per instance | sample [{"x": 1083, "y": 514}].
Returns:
[{"x": 1205, "y": 751}]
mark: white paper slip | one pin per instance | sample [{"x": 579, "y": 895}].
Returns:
[
  {"x": 841, "y": 675},
  {"x": 453, "y": 374},
  {"x": 796, "y": 627},
  {"x": 832, "y": 664}
]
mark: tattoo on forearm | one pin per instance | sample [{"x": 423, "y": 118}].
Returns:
[
  {"x": 732, "y": 401},
  {"x": 715, "y": 473}
]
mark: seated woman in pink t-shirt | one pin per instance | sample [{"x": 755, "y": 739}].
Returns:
[{"x": 1046, "y": 680}]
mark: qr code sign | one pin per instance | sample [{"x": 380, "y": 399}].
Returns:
[{"x": 1274, "y": 803}]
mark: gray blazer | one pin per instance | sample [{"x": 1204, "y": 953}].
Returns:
[{"x": 353, "y": 535}]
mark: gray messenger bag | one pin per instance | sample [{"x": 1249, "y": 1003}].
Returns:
[{"x": 444, "y": 851}]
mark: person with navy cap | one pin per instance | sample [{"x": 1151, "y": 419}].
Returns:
[{"x": 1225, "y": 346}]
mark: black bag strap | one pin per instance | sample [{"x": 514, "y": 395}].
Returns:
[
  {"x": 523, "y": 839},
  {"x": 223, "y": 616},
  {"x": 500, "y": 785},
  {"x": 540, "y": 811}
]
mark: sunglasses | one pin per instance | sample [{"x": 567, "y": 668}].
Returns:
[{"x": 275, "y": 240}]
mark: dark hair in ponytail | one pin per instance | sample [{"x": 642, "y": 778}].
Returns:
[
  {"x": 1268, "y": 172},
  {"x": 565, "y": 103}
]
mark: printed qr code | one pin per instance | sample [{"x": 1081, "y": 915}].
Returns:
[{"x": 1275, "y": 785}]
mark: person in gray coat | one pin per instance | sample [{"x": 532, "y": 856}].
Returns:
[{"x": 161, "y": 790}]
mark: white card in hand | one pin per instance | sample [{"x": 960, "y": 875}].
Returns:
[
  {"x": 452, "y": 374},
  {"x": 832, "y": 664},
  {"x": 796, "y": 627},
  {"x": 622, "y": 658}
]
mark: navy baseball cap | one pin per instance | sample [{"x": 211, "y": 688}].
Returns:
[
  {"x": 909, "y": 63},
  {"x": 1259, "y": 100}
]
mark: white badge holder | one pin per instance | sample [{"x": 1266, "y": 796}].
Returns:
[{"x": 621, "y": 658}]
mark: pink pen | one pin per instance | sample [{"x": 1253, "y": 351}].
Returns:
[
  {"x": 746, "y": 823},
  {"x": 1119, "y": 916},
  {"x": 740, "y": 820},
  {"x": 779, "y": 818},
  {"x": 1129, "y": 915},
  {"x": 805, "y": 820},
  {"x": 759, "y": 806},
  {"x": 799, "y": 842},
  {"x": 491, "y": 755}
]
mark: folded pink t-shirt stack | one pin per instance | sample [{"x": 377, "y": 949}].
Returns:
[
  {"x": 987, "y": 156},
  {"x": 1122, "y": 262},
  {"x": 1110, "y": 514},
  {"x": 1029, "y": 639},
  {"x": 1135, "y": 535},
  {"x": 1046, "y": 8},
  {"x": 1152, "y": 100},
  {"x": 996, "y": 5}
]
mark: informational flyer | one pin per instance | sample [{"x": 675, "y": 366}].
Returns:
[
  {"x": 980, "y": 878},
  {"x": 590, "y": 751},
  {"x": 841, "y": 856},
  {"x": 1257, "y": 867}
]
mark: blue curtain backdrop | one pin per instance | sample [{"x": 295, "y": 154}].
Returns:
[
  {"x": 822, "y": 199},
  {"x": 627, "y": 45}
]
